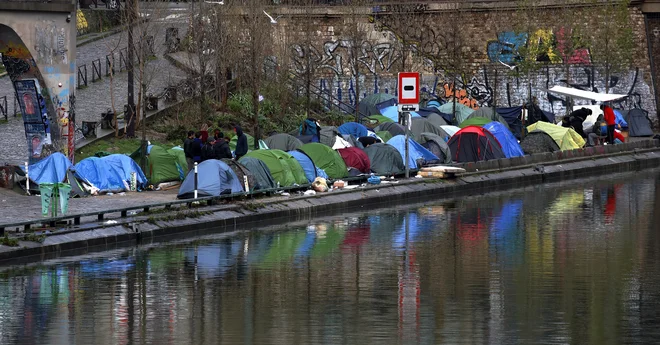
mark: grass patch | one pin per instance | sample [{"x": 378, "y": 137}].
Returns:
[
  {"x": 113, "y": 145},
  {"x": 3, "y": 121},
  {"x": 11, "y": 242},
  {"x": 34, "y": 237}
]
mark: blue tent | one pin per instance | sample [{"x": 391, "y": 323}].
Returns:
[
  {"x": 307, "y": 164},
  {"x": 415, "y": 150},
  {"x": 110, "y": 173},
  {"x": 353, "y": 128},
  {"x": 620, "y": 120},
  {"x": 51, "y": 169},
  {"x": 508, "y": 142},
  {"x": 390, "y": 110},
  {"x": 214, "y": 178}
]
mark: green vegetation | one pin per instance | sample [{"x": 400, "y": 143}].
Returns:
[
  {"x": 11, "y": 242},
  {"x": 2, "y": 69},
  {"x": 34, "y": 237},
  {"x": 113, "y": 145}
]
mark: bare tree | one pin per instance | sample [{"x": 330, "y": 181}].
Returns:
[
  {"x": 571, "y": 41},
  {"x": 355, "y": 36}
]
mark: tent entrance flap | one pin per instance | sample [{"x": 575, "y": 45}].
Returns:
[{"x": 577, "y": 93}]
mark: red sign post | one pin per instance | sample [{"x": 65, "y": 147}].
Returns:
[{"x": 408, "y": 88}]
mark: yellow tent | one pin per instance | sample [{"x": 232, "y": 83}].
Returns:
[{"x": 566, "y": 138}]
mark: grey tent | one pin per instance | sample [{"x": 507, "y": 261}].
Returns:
[
  {"x": 367, "y": 105},
  {"x": 421, "y": 125},
  {"x": 488, "y": 113},
  {"x": 283, "y": 141},
  {"x": 385, "y": 159},
  {"x": 328, "y": 135},
  {"x": 392, "y": 127},
  {"x": 638, "y": 121},
  {"x": 260, "y": 171},
  {"x": 353, "y": 141},
  {"x": 241, "y": 172},
  {"x": 436, "y": 120},
  {"x": 437, "y": 146},
  {"x": 538, "y": 142}
]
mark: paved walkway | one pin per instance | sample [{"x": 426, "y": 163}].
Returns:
[{"x": 97, "y": 97}]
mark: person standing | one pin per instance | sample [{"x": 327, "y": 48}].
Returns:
[
  {"x": 610, "y": 119},
  {"x": 221, "y": 148},
  {"x": 241, "y": 143},
  {"x": 197, "y": 148},
  {"x": 207, "y": 150},
  {"x": 188, "y": 149}
]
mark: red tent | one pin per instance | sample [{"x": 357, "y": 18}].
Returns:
[
  {"x": 473, "y": 144},
  {"x": 355, "y": 158}
]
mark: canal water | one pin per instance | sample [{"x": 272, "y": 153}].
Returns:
[{"x": 576, "y": 263}]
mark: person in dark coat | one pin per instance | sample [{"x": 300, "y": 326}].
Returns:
[
  {"x": 366, "y": 141},
  {"x": 197, "y": 148},
  {"x": 241, "y": 143},
  {"x": 207, "y": 150},
  {"x": 221, "y": 148},
  {"x": 582, "y": 113},
  {"x": 188, "y": 149}
]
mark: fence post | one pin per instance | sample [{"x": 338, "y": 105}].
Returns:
[{"x": 195, "y": 192}]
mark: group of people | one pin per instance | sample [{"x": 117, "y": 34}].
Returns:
[
  {"x": 199, "y": 146},
  {"x": 605, "y": 125}
]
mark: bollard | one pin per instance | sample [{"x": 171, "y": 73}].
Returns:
[
  {"x": 195, "y": 192},
  {"x": 247, "y": 185},
  {"x": 27, "y": 179},
  {"x": 407, "y": 150}
]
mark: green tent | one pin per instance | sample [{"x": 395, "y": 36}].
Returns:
[
  {"x": 234, "y": 140},
  {"x": 566, "y": 138},
  {"x": 327, "y": 159},
  {"x": 475, "y": 121},
  {"x": 283, "y": 167},
  {"x": 384, "y": 135},
  {"x": 462, "y": 111},
  {"x": 161, "y": 166},
  {"x": 260, "y": 171},
  {"x": 180, "y": 158},
  {"x": 375, "y": 120},
  {"x": 283, "y": 248},
  {"x": 329, "y": 243}
]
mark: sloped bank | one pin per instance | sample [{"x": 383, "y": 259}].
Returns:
[{"x": 248, "y": 215}]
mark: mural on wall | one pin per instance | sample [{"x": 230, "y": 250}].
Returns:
[
  {"x": 543, "y": 43},
  {"x": 50, "y": 43}
]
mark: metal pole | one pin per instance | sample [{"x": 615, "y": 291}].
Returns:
[
  {"x": 27, "y": 179},
  {"x": 195, "y": 192},
  {"x": 128, "y": 117},
  {"x": 143, "y": 155},
  {"x": 408, "y": 126}
]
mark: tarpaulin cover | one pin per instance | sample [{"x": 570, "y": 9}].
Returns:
[
  {"x": 512, "y": 116},
  {"x": 639, "y": 124},
  {"x": 51, "y": 169},
  {"x": 214, "y": 178},
  {"x": 508, "y": 142},
  {"x": 415, "y": 151},
  {"x": 306, "y": 163},
  {"x": 619, "y": 119},
  {"x": 353, "y": 128},
  {"x": 109, "y": 173}
]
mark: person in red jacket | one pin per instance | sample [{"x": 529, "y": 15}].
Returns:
[{"x": 610, "y": 119}]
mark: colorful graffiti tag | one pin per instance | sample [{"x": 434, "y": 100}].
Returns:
[{"x": 543, "y": 45}]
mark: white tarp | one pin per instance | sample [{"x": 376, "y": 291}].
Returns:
[{"x": 577, "y": 93}]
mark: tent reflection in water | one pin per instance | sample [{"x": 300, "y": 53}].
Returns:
[
  {"x": 214, "y": 178},
  {"x": 214, "y": 259}
]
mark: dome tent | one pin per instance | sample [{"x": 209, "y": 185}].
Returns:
[
  {"x": 353, "y": 128},
  {"x": 488, "y": 113},
  {"x": 509, "y": 144},
  {"x": 437, "y": 146},
  {"x": 566, "y": 138},
  {"x": 214, "y": 178},
  {"x": 327, "y": 159},
  {"x": 283, "y": 141},
  {"x": 421, "y": 125},
  {"x": 538, "y": 142},
  {"x": 473, "y": 144},
  {"x": 260, "y": 171},
  {"x": 282, "y": 166},
  {"x": 355, "y": 158},
  {"x": 385, "y": 159},
  {"x": 417, "y": 154},
  {"x": 161, "y": 165},
  {"x": 306, "y": 163}
]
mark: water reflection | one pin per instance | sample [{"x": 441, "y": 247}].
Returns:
[{"x": 577, "y": 264}]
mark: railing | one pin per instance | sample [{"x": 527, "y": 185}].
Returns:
[
  {"x": 96, "y": 70},
  {"x": 109, "y": 64},
  {"x": 3, "y": 106},
  {"x": 82, "y": 76}
]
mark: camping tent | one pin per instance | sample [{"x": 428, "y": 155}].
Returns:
[
  {"x": 283, "y": 141},
  {"x": 472, "y": 144},
  {"x": 51, "y": 169},
  {"x": 326, "y": 158},
  {"x": 306, "y": 163},
  {"x": 436, "y": 120},
  {"x": 450, "y": 130},
  {"x": 512, "y": 116},
  {"x": 110, "y": 173},
  {"x": 392, "y": 127},
  {"x": 421, "y": 125},
  {"x": 161, "y": 165},
  {"x": 214, "y": 178},
  {"x": 241, "y": 173},
  {"x": 328, "y": 135},
  {"x": 353, "y": 128},
  {"x": 507, "y": 141},
  {"x": 639, "y": 124},
  {"x": 566, "y": 138},
  {"x": 180, "y": 155},
  {"x": 475, "y": 121},
  {"x": 488, "y": 113},
  {"x": 355, "y": 158},
  {"x": 437, "y": 146},
  {"x": 462, "y": 111},
  {"x": 234, "y": 140},
  {"x": 260, "y": 171},
  {"x": 538, "y": 142},
  {"x": 375, "y": 120},
  {"x": 367, "y": 105},
  {"x": 284, "y": 169},
  {"x": 417, "y": 154},
  {"x": 384, "y": 135},
  {"x": 385, "y": 159}
]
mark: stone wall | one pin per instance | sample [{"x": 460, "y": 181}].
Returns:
[{"x": 484, "y": 36}]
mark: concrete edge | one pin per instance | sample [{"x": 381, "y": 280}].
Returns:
[{"x": 277, "y": 212}]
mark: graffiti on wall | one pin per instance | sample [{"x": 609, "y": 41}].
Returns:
[
  {"x": 50, "y": 43},
  {"x": 543, "y": 44},
  {"x": 336, "y": 56}
]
